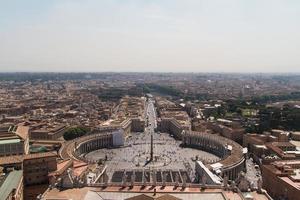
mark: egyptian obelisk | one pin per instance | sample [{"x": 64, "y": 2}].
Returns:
[{"x": 151, "y": 150}]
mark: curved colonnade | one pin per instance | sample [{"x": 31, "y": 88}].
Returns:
[
  {"x": 93, "y": 143},
  {"x": 231, "y": 153},
  {"x": 85, "y": 144}
]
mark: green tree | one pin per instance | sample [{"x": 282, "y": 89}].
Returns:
[{"x": 75, "y": 132}]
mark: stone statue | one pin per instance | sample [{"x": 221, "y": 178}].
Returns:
[
  {"x": 242, "y": 182},
  {"x": 144, "y": 180},
  {"x": 153, "y": 178},
  {"x": 225, "y": 182},
  {"x": 164, "y": 178},
  {"x": 259, "y": 185},
  {"x": 252, "y": 186},
  {"x": 105, "y": 178},
  {"x": 233, "y": 186},
  {"x": 184, "y": 178},
  {"x": 132, "y": 179},
  {"x": 176, "y": 180},
  {"x": 124, "y": 179},
  {"x": 204, "y": 179}
]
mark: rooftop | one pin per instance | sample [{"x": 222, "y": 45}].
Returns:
[
  {"x": 19, "y": 158},
  {"x": 9, "y": 141},
  {"x": 10, "y": 183}
]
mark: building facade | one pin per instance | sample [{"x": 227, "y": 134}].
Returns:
[{"x": 37, "y": 167}]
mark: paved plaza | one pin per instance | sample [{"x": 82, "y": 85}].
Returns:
[
  {"x": 168, "y": 155},
  {"x": 119, "y": 195}
]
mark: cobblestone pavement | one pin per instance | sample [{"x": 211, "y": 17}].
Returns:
[
  {"x": 170, "y": 156},
  {"x": 253, "y": 173}
]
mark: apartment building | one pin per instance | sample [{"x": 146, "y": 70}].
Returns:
[{"x": 14, "y": 141}]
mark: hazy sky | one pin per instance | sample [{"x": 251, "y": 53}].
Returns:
[{"x": 150, "y": 35}]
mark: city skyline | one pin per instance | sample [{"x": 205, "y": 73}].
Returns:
[
  {"x": 140, "y": 99},
  {"x": 141, "y": 36}
]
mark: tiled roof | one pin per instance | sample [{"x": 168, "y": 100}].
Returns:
[
  {"x": 20, "y": 158},
  {"x": 11, "y": 182}
]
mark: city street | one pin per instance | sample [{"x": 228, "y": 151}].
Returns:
[
  {"x": 253, "y": 174},
  {"x": 151, "y": 116}
]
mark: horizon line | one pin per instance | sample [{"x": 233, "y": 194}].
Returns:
[{"x": 149, "y": 72}]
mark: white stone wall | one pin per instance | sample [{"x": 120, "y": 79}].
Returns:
[{"x": 118, "y": 137}]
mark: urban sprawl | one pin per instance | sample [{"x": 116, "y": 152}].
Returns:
[{"x": 149, "y": 136}]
